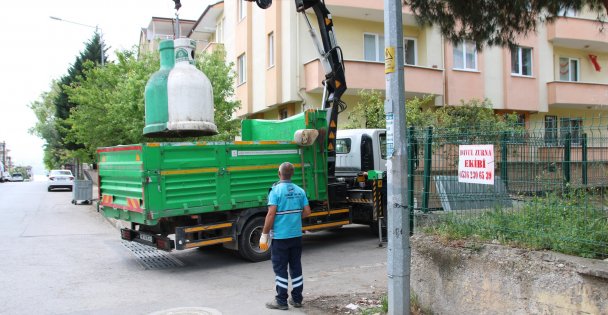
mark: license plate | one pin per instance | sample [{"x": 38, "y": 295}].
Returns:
[
  {"x": 61, "y": 179},
  {"x": 146, "y": 237}
]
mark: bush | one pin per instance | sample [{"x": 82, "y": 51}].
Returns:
[{"x": 567, "y": 223}]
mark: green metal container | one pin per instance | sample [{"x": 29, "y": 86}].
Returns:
[
  {"x": 145, "y": 182},
  {"x": 156, "y": 94}
]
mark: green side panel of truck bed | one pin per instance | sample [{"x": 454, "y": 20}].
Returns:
[{"x": 175, "y": 179}]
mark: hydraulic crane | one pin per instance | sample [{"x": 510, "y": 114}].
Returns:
[{"x": 330, "y": 55}]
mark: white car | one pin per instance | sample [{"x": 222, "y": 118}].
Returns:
[
  {"x": 16, "y": 177},
  {"x": 60, "y": 179}
]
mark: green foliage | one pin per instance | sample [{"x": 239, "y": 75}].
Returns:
[
  {"x": 495, "y": 22},
  {"x": 23, "y": 170},
  {"x": 474, "y": 117},
  {"x": 222, "y": 79},
  {"x": 554, "y": 222},
  {"x": 62, "y": 146},
  {"x": 45, "y": 128},
  {"x": 111, "y": 107},
  {"x": 473, "y": 121},
  {"x": 110, "y": 102},
  {"x": 369, "y": 111}
]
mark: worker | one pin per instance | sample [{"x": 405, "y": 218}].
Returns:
[{"x": 287, "y": 205}]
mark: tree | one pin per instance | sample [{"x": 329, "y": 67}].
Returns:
[
  {"x": 369, "y": 111},
  {"x": 110, "y": 101},
  {"x": 92, "y": 52},
  {"x": 473, "y": 117},
  {"x": 222, "y": 79},
  {"x": 45, "y": 128},
  {"x": 495, "y": 22}
]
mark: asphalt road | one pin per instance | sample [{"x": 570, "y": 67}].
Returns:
[{"x": 60, "y": 258}]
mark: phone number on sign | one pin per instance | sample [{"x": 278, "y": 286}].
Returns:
[{"x": 476, "y": 175}]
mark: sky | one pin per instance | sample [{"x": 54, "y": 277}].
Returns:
[{"x": 36, "y": 49}]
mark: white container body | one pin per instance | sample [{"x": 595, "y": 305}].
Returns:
[{"x": 190, "y": 94}]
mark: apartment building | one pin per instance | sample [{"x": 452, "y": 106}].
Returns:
[
  {"x": 557, "y": 74},
  {"x": 161, "y": 28}
]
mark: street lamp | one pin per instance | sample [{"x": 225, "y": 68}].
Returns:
[{"x": 96, "y": 27}]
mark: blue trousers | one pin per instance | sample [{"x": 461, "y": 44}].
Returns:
[{"x": 287, "y": 253}]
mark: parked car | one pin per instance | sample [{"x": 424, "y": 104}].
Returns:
[
  {"x": 16, "y": 177},
  {"x": 60, "y": 179},
  {"x": 6, "y": 176}
]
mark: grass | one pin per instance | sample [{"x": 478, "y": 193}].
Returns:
[{"x": 568, "y": 223}]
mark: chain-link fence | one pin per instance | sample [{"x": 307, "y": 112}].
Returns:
[{"x": 542, "y": 186}]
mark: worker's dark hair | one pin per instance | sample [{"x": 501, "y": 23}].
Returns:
[{"x": 286, "y": 170}]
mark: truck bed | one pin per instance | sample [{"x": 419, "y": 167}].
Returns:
[{"x": 143, "y": 183}]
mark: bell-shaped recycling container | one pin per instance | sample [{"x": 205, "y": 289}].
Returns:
[{"x": 178, "y": 97}]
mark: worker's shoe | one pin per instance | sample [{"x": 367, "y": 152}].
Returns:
[
  {"x": 294, "y": 303},
  {"x": 274, "y": 305}
]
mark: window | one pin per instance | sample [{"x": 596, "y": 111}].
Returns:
[
  {"x": 242, "y": 9},
  {"x": 465, "y": 56},
  {"x": 567, "y": 12},
  {"x": 373, "y": 47},
  {"x": 551, "y": 130},
  {"x": 409, "y": 51},
  {"x": 521, "y": 61},
  {"x": 283, "y": 113},
  {"x": 568, "y": 69},
  {"x": 383, "y": 146},
  {"x": 572, "y": 126},
  {"x": 342, "y": 146},
  {"x": 519, "y": 134},
  {"x": 219, "y": 31},
  {"x": 242, "y": 69},
  {"x": 270, "y": 49}
]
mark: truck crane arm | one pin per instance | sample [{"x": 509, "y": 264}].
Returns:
[{"x": 330, "y": 56}]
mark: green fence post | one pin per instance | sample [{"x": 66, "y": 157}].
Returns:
[
  {"x": 427, "y": 169},
  {"x": 503, "y": 159},
  {"x": 567, "y": 158},
  {"x": 584, "y": 158},
  {"x": 410, "y": 175}
]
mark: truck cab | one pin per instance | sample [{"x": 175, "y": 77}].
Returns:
[{"x": 360, "y": 150}]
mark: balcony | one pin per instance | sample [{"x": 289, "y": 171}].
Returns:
[
  {"x": 365, "y": 10},
  {"x": 211, "y": 47},
  {"x": 366, "y": 75},
  {"x": 577, "y": 93},
  {"x": 578, "y": 34}
]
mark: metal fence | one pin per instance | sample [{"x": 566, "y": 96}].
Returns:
[{"x": 546, "y": 189}]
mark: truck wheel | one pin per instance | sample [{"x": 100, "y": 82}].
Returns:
[{"x": 249, "y": 241}]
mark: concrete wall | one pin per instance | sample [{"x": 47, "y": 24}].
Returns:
[{"x": 458, "y": 278}]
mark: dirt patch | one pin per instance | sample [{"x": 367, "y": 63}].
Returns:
[{"x": 338, "y": 304}]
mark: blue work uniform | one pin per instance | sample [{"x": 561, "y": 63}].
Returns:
[{"x": 286, "y": 246}]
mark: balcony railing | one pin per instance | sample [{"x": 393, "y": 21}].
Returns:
[
  {"x": 577, "y": 93},
  {"x": 367, "y": 75}
]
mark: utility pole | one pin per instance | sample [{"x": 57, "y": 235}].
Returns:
[{"x": 398, "y": 230}]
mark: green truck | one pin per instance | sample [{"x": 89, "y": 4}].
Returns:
[{"x": 181, "y": 195}]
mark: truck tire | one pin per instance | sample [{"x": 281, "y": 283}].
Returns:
[{"x": 249, "y": 241}]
